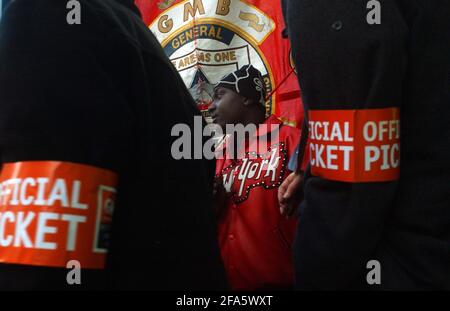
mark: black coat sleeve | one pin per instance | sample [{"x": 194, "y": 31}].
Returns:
[
  {"x": 57, "y": 104},
  {"x": 344, "y": 64}
]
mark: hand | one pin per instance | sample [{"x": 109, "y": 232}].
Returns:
[{"x": 290, "y": 194}]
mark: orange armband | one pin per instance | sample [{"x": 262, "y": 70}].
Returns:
[
  {"x": 355, "y": 145},
  {"x": 52, "y": 212}
]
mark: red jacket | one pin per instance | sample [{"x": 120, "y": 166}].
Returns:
[{"x": 255, "y": 240}]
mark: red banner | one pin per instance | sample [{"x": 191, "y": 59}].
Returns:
[{"x": 207, "y": 39}]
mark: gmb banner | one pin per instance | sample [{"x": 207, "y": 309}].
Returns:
[{"x": 207, "y": 39}]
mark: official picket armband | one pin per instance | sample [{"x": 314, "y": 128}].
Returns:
[
  {"x": 355, "y": 145},
  {"x": 52, "y": 212}
]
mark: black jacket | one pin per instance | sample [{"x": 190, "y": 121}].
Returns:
[
  {"x": 345, "y": 63},
  {"x": 103, "y": 93}
]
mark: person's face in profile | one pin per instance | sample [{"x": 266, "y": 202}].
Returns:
[{"x": 227, "y": 107}]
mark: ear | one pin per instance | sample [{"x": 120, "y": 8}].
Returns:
[{"x": 248, "y": 102}]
